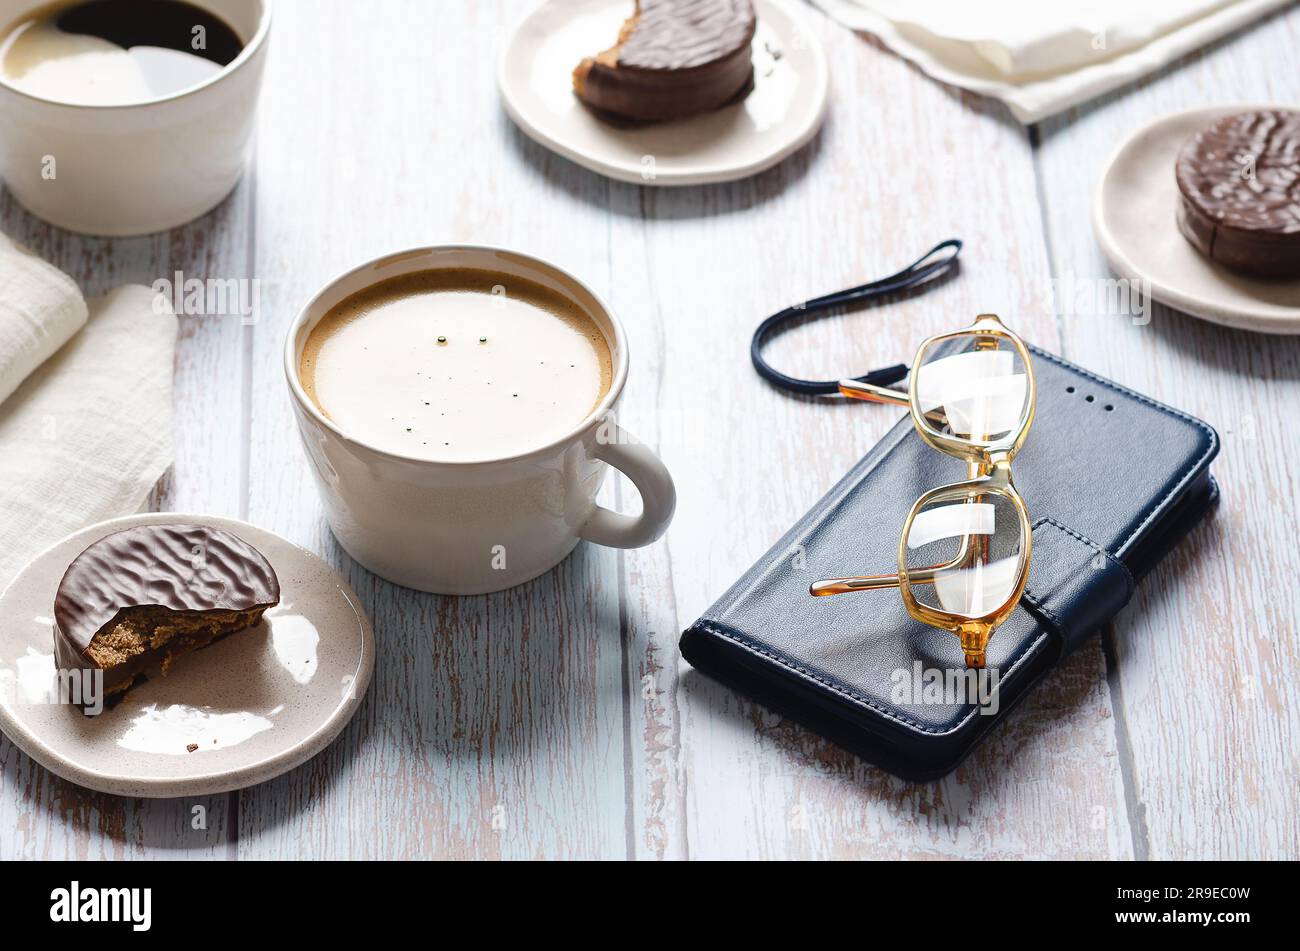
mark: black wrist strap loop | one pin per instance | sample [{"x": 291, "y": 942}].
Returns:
[{"x": 933, "y": 264}]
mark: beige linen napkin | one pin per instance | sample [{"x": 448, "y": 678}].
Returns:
[
  {"x": 40, "y": 308},
  {"x": 88, "y": 433},
  {"x": 1042, "y": 57}
]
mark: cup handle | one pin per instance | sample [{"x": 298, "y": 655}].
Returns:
[{"x": 651, "y": 478}]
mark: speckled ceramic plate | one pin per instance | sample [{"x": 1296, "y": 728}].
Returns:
[
  {"x": 780, "y": 116},
  {"x": 1134, "y": 217},
  {"x": 247, "y": 708}
]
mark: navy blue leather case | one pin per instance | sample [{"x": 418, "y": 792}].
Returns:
[{"x": 1111, "y": 479}]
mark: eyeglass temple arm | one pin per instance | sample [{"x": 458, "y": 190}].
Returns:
[
  {"x": 830, "y": 586},
  {"x": 821, "y": 589},
  {"x": 872, "y": 393},
  {"x": 884, "y": 394}
]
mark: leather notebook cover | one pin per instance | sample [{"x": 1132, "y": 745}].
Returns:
[{"x": 1111, "y": 479}]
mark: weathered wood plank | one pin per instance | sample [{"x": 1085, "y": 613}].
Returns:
[
  {"x": 1206, "y": 650},
  {"x": 649, "y": 618}
]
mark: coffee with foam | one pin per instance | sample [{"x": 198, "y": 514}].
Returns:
[{"x": 456, "y": 365}]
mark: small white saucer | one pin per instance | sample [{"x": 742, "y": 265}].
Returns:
[
  {"x": 1134, "y": 218},
  {"x": 254, "y": 705},
  {"x": 779, "y": 117}
]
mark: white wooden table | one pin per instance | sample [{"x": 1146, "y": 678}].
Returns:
[{"x": 557, "y": 719}]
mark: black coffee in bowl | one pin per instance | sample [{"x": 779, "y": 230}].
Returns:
[{"x": 115, "y": 52}]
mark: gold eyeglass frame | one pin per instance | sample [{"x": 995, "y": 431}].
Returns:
[{"x": 989, "y": 464}]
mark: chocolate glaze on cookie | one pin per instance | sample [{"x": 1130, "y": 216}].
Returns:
[
  {"x": 1240, "y": 185},
  {"x": 136, "y": 599},
  {"x": 673, "y": 58}
]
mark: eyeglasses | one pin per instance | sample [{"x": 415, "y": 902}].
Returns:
[{"x": 964, "y": 553}]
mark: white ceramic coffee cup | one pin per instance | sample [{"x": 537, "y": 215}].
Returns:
[
  {"x": 137, "y": 168},
  {"x": 480, "y": 526}
]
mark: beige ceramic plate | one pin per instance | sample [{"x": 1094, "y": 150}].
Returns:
[
  {"x": 778, "y": 118},
  {"x": 255, "y": 704},
  {"x": 1134, "y": 218}
]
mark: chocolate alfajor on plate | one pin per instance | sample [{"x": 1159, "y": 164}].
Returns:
[
  {"x": 672, "y": 59},
  {"x": 136, "y": 600}
]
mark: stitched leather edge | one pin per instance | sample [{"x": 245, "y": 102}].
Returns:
[
  {"x": 745, "y": 644},
  {"x": 1095, "y": 546},
  {"x": 1053, "y": 616}
]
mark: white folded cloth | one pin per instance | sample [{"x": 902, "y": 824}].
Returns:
[
  {"x": 40, "y": 308},
  {"x": 1042, "y": 57},
  {"x": 88, "y": 433}
]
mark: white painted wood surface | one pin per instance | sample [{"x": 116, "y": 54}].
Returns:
[{"x": 557, "y": 719}]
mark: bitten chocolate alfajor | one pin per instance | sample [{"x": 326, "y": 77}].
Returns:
[
  {"x": 672, "y": 59},
  {"x": 136, "y": 600}
]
